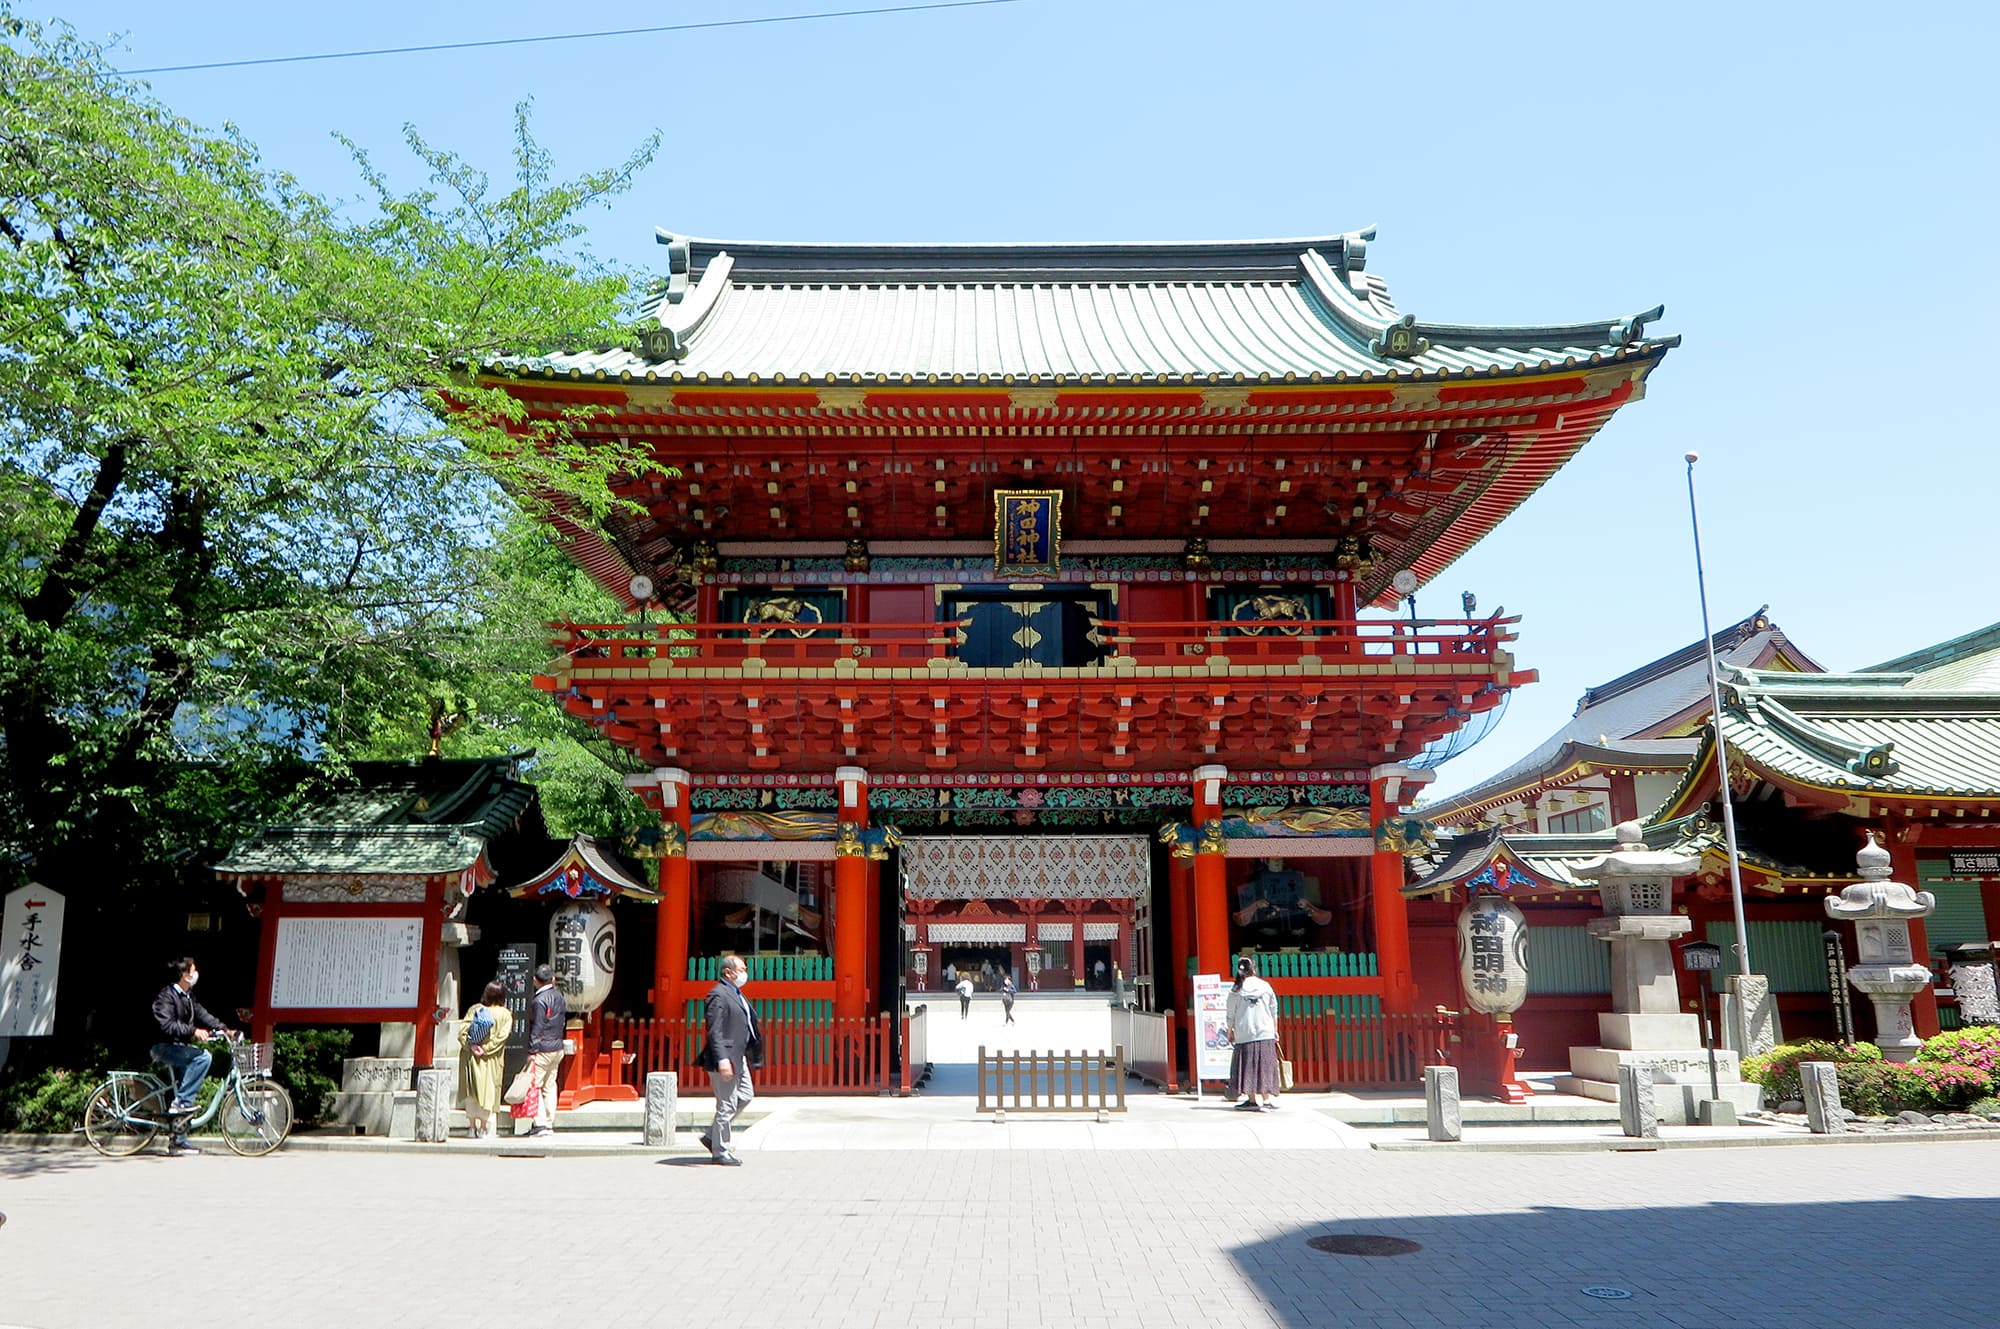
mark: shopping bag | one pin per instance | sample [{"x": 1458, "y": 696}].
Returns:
[
  {"x": 526, "y": 1109},
  {"x": 1284, "y": 1075},
  {"x": 520, "y": 1085}
]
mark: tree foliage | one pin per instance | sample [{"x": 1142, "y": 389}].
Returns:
[{"x": 236, "y": 522}]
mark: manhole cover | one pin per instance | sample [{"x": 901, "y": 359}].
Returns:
[
  {"x": 1364, "y": 1244},
  {"x": 1608, "y": 1293}
]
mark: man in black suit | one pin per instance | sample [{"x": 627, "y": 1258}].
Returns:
[{"x": 732, "y": 1048}]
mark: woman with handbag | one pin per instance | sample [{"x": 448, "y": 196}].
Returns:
[
  {"x": 1253, "y": 1040},
  {"x": 483, "y": 1058}
]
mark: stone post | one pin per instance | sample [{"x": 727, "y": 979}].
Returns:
[
  {"x": 434, "y": 1093},
  {"x": 662, "y": 1102},
  {"x": 1441, "y": 1102},
  {"x": 1881, "y": 911},
  {"x": 1820, "y": 1081},
  {"x": 1638, "y": 1106}
]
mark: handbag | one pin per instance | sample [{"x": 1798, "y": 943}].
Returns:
[
  {"x": 1284, "y": 1070},
  {"x": 520, "y": 1086}
]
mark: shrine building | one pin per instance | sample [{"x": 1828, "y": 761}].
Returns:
[{"x": 1046, "y": 610}]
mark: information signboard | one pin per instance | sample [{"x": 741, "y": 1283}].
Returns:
[
  {"x": 335, "y": 962},
  {"x": 1975, "y": 862},
  {"x": 1210, "y": 1023},
  {"x": 31, "y": 928}
]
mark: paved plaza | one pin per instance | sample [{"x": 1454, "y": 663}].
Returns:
[{"x": 1850, "y": 1237}]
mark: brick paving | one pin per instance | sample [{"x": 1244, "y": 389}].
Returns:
[{"x": 1840, "y": 1238}]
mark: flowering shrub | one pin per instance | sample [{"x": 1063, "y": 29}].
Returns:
[
  {"x": 1875, "y": 1089},
  {"x": 1976, "y": 1046},
  {"x": 1778, "y": 1069}
]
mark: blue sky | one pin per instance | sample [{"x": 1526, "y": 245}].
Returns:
[{"x": 1811, "y": 192}]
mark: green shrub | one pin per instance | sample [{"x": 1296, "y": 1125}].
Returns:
[
  {"x": 1977, "y": 1045},
  {"x": 1985, "y": 1107},
  {"x": 307, "y": 1062},
  {"x": 48, "y": 1102},
  {"x": 1778, "y": 1069}
]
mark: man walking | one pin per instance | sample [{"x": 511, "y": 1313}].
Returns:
[
  {"x": 964, "y": 995},
  {"x": 184, "y": 1023},
  {"x": 732, "y": 1047},
  {"x": 547, "y": 1014}
]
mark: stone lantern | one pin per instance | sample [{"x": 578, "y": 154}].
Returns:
[
  {"x": 1888, "y": 974},
  {"x": 1645, "y": 1025}
]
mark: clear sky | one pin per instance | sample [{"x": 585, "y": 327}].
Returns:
[{"x": 1810, "y": 190}]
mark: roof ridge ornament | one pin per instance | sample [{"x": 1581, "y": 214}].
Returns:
[
  {"x": 1399, "y": 341},
  {"x": 1632, "y": 330}
]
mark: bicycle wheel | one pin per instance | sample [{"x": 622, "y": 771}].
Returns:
[
  {"x": 256, "y": 1117},
  {"x": 124, "y": 1114}
]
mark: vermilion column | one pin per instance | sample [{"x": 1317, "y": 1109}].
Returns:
[
  {"x": 670, "y": 952},
  {"x": 1211, "y": 873},
  {"x": 1177, "y": 992},
  {"x": 1392, "y": 918},
  {"x": 850, "y": 896}
]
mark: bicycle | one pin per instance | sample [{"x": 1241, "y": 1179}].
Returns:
[{"x": 132, "y": 1107}]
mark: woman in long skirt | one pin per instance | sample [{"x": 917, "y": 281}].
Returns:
[
  {"x": 481, "y": 1064},
  {"x": 1253, "y": 1040}
]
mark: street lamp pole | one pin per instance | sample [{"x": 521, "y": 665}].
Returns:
[{"x": 1742, "y": 947}]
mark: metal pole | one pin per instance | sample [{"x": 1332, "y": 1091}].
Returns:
[
  {"x": 1721, "y": 761},
  {"x": 1708, "y": 1037}
]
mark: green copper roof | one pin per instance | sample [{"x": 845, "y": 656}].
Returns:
[
  {"x": 1238, "y": 311},
  {"x": 398, "y": 818}
]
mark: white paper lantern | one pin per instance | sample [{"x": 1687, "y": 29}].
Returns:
[
  {"x": 583, "y": 941},
  {"x": 1493, "y": 954}
]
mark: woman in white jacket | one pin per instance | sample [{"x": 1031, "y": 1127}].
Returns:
[{"x": 1253, "y": 1040}]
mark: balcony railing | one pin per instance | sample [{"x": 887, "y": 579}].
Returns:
[{"x": 615, "y": 649}]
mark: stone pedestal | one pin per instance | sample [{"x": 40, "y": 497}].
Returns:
[
  {"x": 1888, "y": 974},
  {"x": 434, "y": 1095},
  {"x": 1441, "y": 1111},
  {"x": 662, "y": 1102},
  {"x": 1645, "y": 1029}
]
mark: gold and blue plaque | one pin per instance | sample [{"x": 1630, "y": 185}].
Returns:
[{"x": 1027, "y": 531}]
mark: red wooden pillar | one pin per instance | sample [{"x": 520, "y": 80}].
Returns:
[
  {"x": 1392, "y": 917},
  {"x": 1211, "y": 873},
  {"x": 670, "y": 952},
  {"x": 1903, "y": 868},
  {"x": 873, "y": 980},
  {"x": 1180, "y": 922},
  {"x": 850, "y": 896},
  {"x": 428, "y": 1012}
]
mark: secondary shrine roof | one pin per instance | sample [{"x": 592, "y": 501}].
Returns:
[
  {"x": 417, "y": 818},
  {"x": 1623, "y": 721},
  {"x": 1250, "y": 311}
]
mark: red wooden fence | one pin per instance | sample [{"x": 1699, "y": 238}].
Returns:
[
  {"x": 801, "y": 1056},
  {"x": 1361, "y": 1052}
]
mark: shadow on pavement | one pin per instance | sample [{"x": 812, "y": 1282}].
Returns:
[{"x": 1857, "y": 1263}]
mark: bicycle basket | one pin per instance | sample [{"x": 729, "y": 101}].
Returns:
[{"x": 253, "y": 1058}]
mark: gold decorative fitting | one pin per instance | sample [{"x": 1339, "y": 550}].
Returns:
[
  {"x": 856, "y": 558},
  {"x": 703, "y": 558},
  {"x": 1212, "y": 839}
]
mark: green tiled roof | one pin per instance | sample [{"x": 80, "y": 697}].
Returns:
[
  {"x": 400, "y": 818},
  {"x": 1177, "y": 313},
  {"x": 1550, "y": 862}
]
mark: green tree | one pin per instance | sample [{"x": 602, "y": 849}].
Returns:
[{"x": 247, "y": 495}]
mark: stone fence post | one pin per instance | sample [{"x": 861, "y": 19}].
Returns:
[
  {"x": 662, "y": 1101},
  {"x": 1441, "y": 1111},
  {"x": 434, "y": 1094},
  {"x": 1638, "y": 1110},
  {"x": 1821, "y": 1082}
]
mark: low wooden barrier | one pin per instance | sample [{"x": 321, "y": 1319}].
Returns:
[
  {"x": 1051, "y": 1082},
  {"x": 801, "y": 1056}
]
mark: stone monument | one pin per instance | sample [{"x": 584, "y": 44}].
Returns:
[
  {"x": 1881, "y": 911},
  {"x": 1645, "y": 1025}
]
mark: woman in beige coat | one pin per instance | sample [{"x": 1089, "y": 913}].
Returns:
[{"x": 481, "y": 1065}]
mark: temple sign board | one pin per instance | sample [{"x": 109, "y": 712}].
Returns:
[
  {"x": 343, "y": 962},
  {"x": 31, "y": 928},
  {"x": 1211, "y": 1027}
]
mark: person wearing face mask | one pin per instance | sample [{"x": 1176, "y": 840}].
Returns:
[
  {"x": 185, "y": 1024},
  {"x": 733, "y": 1047}
]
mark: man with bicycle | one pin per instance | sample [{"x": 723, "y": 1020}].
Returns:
[{"x": 185, "y": 1025}]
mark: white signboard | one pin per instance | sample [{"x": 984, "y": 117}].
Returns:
[
  {"x": 1211, "y": 1027},
  {"x": 347, "y": 963},
  {"x": 30, "y": 949}
]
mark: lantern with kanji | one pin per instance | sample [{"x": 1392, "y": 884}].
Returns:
[
  {"x": 1493, "y": 954},
  {"x": 583, "y": 946}
]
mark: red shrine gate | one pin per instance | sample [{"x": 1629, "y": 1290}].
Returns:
[{"x": 985, "y": 543}]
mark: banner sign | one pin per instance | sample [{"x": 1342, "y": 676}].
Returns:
[
  {"x": 30, "y": 951},
  {"x": 1975, "y": 862},
  {"x": 1211, "y": 1027}
]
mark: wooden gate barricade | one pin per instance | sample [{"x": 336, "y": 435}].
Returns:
[
  {"x": 1360, "y": 1052},
  {"x": 1083, "y": 1081},
  {"x": 804, "y": 1055}
]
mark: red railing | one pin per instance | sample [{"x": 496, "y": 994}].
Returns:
[
  {"x": 1362, "y": 1052},
  {"x": 593, "y": 648},
  {"x": 801, "y": 1056}
]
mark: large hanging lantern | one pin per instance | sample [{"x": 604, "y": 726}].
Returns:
[
  {"x": 1493, "y": 954},
  {"x": 583, "y": 941}
]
